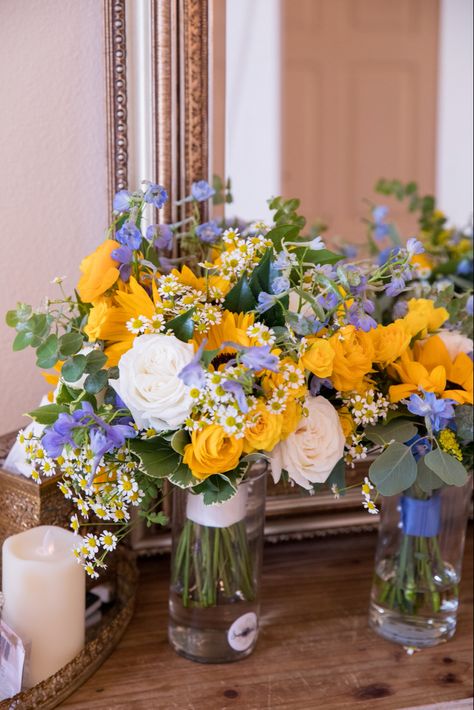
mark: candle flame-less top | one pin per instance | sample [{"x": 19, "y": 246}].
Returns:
[{"x": 43, "y": 544}]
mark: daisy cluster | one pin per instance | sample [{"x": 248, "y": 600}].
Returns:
[{"x": 241, "y": 255}]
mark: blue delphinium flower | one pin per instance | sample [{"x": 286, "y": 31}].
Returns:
[
  {"x": 349, "y": 251},
  {"x": 155, "y": 195},
  {"x": 419, "y": 445},
  {"x": 161, "y": 235},
  {"x": 265, "y": 301},
  {"x": 283, "y": 261},
  {"x": 259, "y": 358},
  {"x": 387, "y": 255},
  {"x": 201, "y": 190},
  {"x": 400, "y": 309},
  {"x": 129, "y": 235},
  {"x": 193, "y": 374},
  {"x": 317, "y": 383},
  {"x": 209, "y": 232},
  {"x": 381, "y": 229},
  {"x": 396, "y": 286},
  {"x": 122, "y": 200},
  {"x": 280, "y": 284},
  {"x": 329, "y": 300},
  {"x": 357, "y": 317},
  {"x": 464, "y": 267},
  {"x": 439, "y": 411},
  {"x": 124, "y": 255},
  {"x": 470, "y": 305},
  {"x": 105, "y": 438},
  {"x": 235, "y": 388},
  {"x": 414, "y": 247}
]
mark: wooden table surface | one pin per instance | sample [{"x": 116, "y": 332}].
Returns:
[{"x": 315, "y": 649}]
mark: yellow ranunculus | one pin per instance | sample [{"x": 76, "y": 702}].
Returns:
[
  {"x": 347, "y": 421},
  {"x": 291, "y": 417},
  {"x": 319, "y": 358},
  {"x": 99, "y": 272},
  {"x": 423, "y": 318},
  {"x": 390, "y": 341},
  {"x": 212, "y": 450},
  {"x": 263, "y": 429},
  {"x": 429, "y": 367},
  {"x": 353, "y": 358}
]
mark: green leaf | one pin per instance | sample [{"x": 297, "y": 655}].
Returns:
[
  {"x": 48, "y": 414},
  {"x": 448, "y": 468},
  {"x": 317, "y": 256},
  {"x": 183, "y": 477},
  {"x": 394, "y": 470},
  {"x": 11, "y": 319},
  {"x": 216, "y": 489},
  {"x": 400, "y": 429},
  {"x": 426, "y": 479},
  {"x": 38, "y": 324},
  {"x": 260, "y": 279},
  {"x": 70, "y": 344},
  {"x": 47, "y": 353},
  {"x": 337, "y": 477},
  {"x": 183, "y": 325},
  {"x": 240, "y": 297},
  {"x": 96, "y": 382},
  {"x": 73, "y": 368},
  {"x": 22, "y": 340},
  {"x": 284, "y": 232},
  {"x": 158, "y": 518},
  {"x": 95, "y": 361},
  {"x": 157, "y": 458},
  {"x": 464, "y": 423},
  {"x": 179, "y": 441}
]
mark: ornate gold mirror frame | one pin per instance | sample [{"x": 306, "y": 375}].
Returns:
[{"x": 171, "y": 43}]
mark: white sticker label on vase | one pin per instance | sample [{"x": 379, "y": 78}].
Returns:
[{"x": 243, "y": 632}]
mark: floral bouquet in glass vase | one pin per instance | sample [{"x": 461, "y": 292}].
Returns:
[{"x": 251, "y": 351}]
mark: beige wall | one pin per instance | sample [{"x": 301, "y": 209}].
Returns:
[{"x": 53, "y": 202}]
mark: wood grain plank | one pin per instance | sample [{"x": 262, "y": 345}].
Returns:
[{"x": 315, "y": 648}]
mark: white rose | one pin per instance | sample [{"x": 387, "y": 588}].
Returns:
[
  {"x": 148, "y": 381},
  {"x": 455, "y": 342},
  {"x": 311, "y": 452}
]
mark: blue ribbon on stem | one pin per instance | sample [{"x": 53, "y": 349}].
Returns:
[{"x": 421, "y": 518}]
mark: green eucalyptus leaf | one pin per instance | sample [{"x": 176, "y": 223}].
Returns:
[
  {"x": 157, "y": 458},
  {"x": 96, "y": 382},
  {"x": 22, "y": 340},
  {"x": 73, "y": 368},
  {"x": 70, "y": 344},
  {"x": 401, "y": 430},
  {"x": 337, "y": 477},
  {"x": 394, "y": 470},
  {"x": 11, "y": 319},
  {"x": 446, "y": 467},
  {"x": 95, "y": 361},
  {"x": 427, "y": 479},
  {"x": 47, "y": 353}
]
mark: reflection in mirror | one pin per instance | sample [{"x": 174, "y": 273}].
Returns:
[{"x": 325, "y": 97}]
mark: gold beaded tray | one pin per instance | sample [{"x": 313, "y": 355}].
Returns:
[{"x": 100, "y": 642}]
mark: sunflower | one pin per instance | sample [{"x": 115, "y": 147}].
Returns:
[
  {"x": 429, "y": 367},
  {"x": 217, "y": 284},
  {"x": 232, "y": 328}
]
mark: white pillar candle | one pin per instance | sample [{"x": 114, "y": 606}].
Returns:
[{"x": 44, "y": 591}]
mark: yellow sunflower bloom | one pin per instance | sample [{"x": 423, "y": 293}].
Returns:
[
  {"x": 232, "y": 328},
  {"x": 429, "y": 367},
  {"x": 186, "y": 277}
]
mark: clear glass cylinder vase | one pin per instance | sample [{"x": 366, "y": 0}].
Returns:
[
  {"x": 415, "y": 597},
  {"x": 216, "y": 561}
]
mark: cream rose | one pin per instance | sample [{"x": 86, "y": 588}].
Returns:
[
  {"x": 310, "y": 453},
  {"x": 148, "y": 381},
  {"x": 455, "y": 342}
]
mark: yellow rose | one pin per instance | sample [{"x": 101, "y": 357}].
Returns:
[
  {"x": 423, "y": 318},
  {"x": 263, "y": 430},
  {"x": 347, "y": 421},
  {"x": 319, "y": 358},
  {"x": 390, "y": 341},
  {"x": 99, "y": 272},
  {"x": 353, "y": 357},
  {"x": 291, "y": 417},
  {"x": 212, "y": 451}
]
